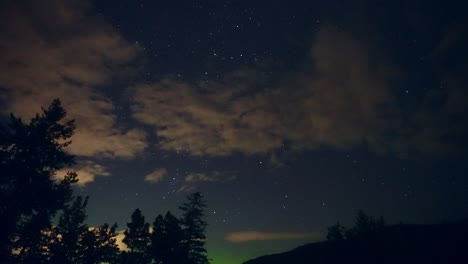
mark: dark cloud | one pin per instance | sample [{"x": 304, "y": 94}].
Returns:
[{"x": 439, "y": 125}]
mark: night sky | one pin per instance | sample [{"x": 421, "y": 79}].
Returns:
[{"x": 288, "y": 116}]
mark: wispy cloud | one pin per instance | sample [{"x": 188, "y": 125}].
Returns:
[
  {"x": 344, "y": 102},
  {"x": 202, "y": 177},
  {"x": 239, "y": 237},
  {"x": 192, "y": 180},
  {"x": 345, "y": 98},
  {"x": 156, "y": 176}
]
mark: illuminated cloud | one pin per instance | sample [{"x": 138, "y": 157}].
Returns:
[
  {"x": 247, "y": 236},
  {"x": 120, "y": 236},
  {"x": 119, "y": 241},
  {"x": 87, "y": 172},
  {"x": 156, "y": 176},
  {"x": 198, "y": 119},
  {"x": 202, "y": 177},
  {"x": 344, "y": 100},
  {"x": 192, "y": 180},
  {"x": 187, "y": 188},
  {"x": 54, "y": 49}
]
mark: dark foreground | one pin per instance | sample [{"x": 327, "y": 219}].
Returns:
[{"x": 442, "y": 243}]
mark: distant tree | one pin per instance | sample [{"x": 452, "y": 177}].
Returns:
[
  {"x": 336, "y": 232},
  {"x": 365, "y": 226},
  {"x": 167, "y": 240},
  {"x": 194, "y": 227},
  {"x": 69, "y": 232},
  {"x": 137, "y": 238},
  {"x": 30, "y": 155}
]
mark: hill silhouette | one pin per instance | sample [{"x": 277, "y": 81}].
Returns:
[{"x": 403, "y": 243}]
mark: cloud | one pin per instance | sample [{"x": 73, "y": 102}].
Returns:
[
  {"x": 341, "y": 101},
  {"x": 119, "y": 241},
  {"x": 192, "y": 180},
  {"x": 247, "y": 236},
  {"x": 156, "y": 176},
  {"x": 202, "y": 177},
  {"x": 345, "y": 97},
  {"x": 87, "y": 172},
  {"x": 198, "y": 119},
  {"x": 56, "y": 49}
]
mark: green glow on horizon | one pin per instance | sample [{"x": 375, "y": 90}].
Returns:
[
  {"x": 224, "y": 257},
  {"x": 222, "y": 252}
]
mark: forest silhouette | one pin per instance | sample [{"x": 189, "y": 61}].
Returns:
[{"x": 31, "y": 198}]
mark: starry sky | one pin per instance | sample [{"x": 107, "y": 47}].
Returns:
[{"x": 287, "y": 115}]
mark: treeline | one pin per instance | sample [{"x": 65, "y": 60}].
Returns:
[
  {"x": 30, "y": 198},
  {"x": 365, "y": 227},
  {"x": 168, "y": 240}
]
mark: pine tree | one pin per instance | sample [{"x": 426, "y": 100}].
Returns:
[
  {"x": 72, "y": 241},
  {"x": 137, "y": 238},
  {"x": 194, "y": 229},
  {"x": 158, "y": 247},
  {"x": 30, "y": 155},
  {"x": 166, "y": 240},
  {"x": 175, "y": 236},
  {"x": 69, "y": 231}
]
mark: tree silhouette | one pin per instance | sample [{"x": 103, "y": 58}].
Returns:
[
  {"x": 68, "y": 233},
  {"x": 194, "y": 228},
  {"x": 159, "y": 248},
  {"x": 98, "y": 245},
  {"x": 166, "y": 240},
  {"x": 72, "y": 241},
  {"x": 365, "y": 226},
  {"x": 30, "y": 196},
  {"x": 30, "y": 156},
  {"x": 137, "y": 238},
  {"x": 336, "y": 232}
]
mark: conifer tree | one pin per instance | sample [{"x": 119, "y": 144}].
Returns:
[
  {"x": 137, "y": 238},
  {"x": 194, "y": 227},
  {"x": 30, "y": 156},
  {"x": 68, "y": 232},
  {"x": 166, "y": 240}
]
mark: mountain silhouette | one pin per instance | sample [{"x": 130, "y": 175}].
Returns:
[{"x": 403, "y": 243}]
